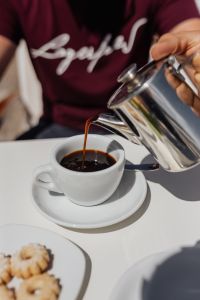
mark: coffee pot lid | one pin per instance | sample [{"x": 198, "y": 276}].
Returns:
[{"x": 133, "y": 80}]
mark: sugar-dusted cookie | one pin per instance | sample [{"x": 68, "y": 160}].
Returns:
[
  {"x": 6, "y": 293},
  {"x": 39, "y": 287},
  {"x": 5, "y": 269},
  {"x": 30, "y": 260}
]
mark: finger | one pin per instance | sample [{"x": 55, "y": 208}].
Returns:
[
  {"x": 196, "y": 67},
  {"x": 185, "y": 94},
  {"x": 197, "y": 78},
  {"x": 170, "y": 44},
  {"x": 173, "y": 81},
  {"x": 196, "y": 62},
  {"x": 186, "y": 43},
  {"x": 195, "y": 112},
  {"x": 196, "y": 106},
  {"x": 166, "y": 45},
  {"x": 182, "y": 90}
]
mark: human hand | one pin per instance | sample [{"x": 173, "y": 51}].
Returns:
[{"x": 186, "y": 44}]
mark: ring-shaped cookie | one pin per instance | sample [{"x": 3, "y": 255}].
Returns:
[
  {"x": 30, "y": 260},
  {"x": 5, "y": 269},
  {"x": 6, "y": 293},
  {"x": 39, "y": 287}
]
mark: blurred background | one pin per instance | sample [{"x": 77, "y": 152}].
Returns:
[{"x": 20, "y": 95}]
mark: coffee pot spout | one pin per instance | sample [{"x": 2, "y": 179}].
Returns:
[{"x": 112, "y": 123}]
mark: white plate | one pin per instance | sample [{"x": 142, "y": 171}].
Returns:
[
  {"x": 123, "y": 203},
  {"x": 68, "y": 260},
  {"x": 175, "y": 275}
]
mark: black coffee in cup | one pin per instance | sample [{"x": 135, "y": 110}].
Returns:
[{"x": 94, "y": 160}]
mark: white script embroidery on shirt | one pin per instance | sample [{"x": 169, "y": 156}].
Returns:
[{"x": 55, "y": 49}]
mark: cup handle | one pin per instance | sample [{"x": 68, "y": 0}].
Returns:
[{"x": 48, "y": 185}]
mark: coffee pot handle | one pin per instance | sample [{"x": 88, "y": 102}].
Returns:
[{"x": 183, "y": 69}]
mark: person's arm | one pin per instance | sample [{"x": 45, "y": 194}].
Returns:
[
  {"x": 172, "y": 16},
  {"x": 187, "y": 25},
  {"x": 7, "y": 50},
  {"x": 177, "y": 40},
  {"x": 10, "y": 30}
]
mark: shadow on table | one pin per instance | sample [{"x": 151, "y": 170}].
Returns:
[
  {"x": 176, "y": 278},
  {"x": 184, "y": 185},
  {"x": 88, "y": 267}
]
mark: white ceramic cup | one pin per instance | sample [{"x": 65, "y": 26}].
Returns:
[{"x": 83, "y": 188}]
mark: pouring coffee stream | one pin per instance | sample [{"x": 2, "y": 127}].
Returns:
[
  {"x": 87, "y": 127},
  {"x": 148, "y": 111},
  {"x": 128, "y": 166}
]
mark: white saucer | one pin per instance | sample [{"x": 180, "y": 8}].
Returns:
[{"x": 123, "y": 203}]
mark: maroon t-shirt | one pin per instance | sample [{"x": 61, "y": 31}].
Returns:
[{"x": 78, "y": 66}]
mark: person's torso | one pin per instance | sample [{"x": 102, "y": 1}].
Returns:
[{"x": 78, "y": 67}]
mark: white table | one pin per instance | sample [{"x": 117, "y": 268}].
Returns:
[{"x": 169, "y": 217}]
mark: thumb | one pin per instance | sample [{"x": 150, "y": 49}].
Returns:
[{"x": 168, "y": 44}]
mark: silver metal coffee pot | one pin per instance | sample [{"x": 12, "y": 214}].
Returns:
[{"x": 148, "y": 111}]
